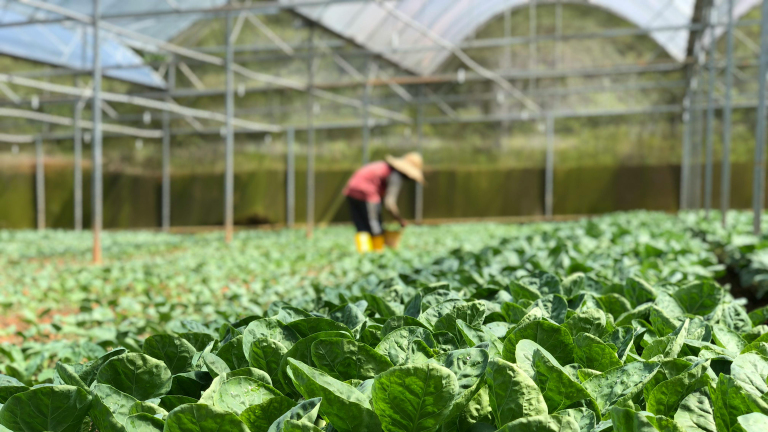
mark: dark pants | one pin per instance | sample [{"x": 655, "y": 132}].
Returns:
[{"x": 366, "y": 216}]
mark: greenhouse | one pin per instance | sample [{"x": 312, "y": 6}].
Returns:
[{"x": 383, "y": 216}]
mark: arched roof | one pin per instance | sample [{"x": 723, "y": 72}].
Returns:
[
  {"x": 365, "y": 22},
  {"x": 373, "y": 27}
]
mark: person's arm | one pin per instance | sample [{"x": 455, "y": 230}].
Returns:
[{"x": 394, "y": 184}]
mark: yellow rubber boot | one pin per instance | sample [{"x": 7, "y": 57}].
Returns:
[
  {"x": 378, "y": 243},
  {"x": 363, "y": 242}
]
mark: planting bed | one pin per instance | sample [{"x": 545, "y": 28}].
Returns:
[{"x": 612, "y": 324}]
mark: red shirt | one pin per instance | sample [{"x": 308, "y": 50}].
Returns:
[{"x": 369, "y": 183}]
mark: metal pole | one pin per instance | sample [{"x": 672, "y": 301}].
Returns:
[
  {"x": 549, "y": 175},
  {"x": 290, "y": 180},
  {"x": 710, "y": 115},
  {"x": 558, "y": 33},
  {"x": 166, "y": 186},
  {"x": 229, "y": 175},
  {"x": 532, "y": 60},
  {"x": 40, "y": 183},
  {"x": 419, "y": 207},
  {"x": 725, "y": 176},
  {"x": 97, "y": 137},
  {"x": 366, "y": 125},
  {"x": 685, "y": 163},
  {"x": 78, "y": 180},
  {"x": 759, "y": 176},
  {"x": 310, "y": 135}
]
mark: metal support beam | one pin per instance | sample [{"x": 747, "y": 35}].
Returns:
[
  {"x": 725, "y": 175},
  {"x": 366, "y": 125},
  {"x": 166, "y": 186},
  {"x": 311, "y": 135},
  {"x": 229, "y": 175},
  {"x": 290, "y": 179},
  {"x": 685, "y": 162},
  {"x": 78, "y": 156},
  {"x": 549, "y": 174},
  {"x": 532, "y": 48},
  {"x": 419, "y": 205},
  {"x": 40, "y": 183},
  {"x": 97, "y": 137},
  {"x": 759, "y": 162},
  {"x": 710, "y": 134},
  {"x": 558, "y": 34}
]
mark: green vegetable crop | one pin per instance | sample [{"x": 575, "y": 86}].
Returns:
[{"x": 611, "y": 324}]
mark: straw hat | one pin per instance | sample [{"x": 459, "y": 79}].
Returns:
[{"x": 410, "y": 164}]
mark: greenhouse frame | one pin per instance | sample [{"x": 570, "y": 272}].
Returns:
[{"x": 91, "y": 39}]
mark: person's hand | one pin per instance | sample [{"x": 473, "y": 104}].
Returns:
[{"x": 403, "y": 223}]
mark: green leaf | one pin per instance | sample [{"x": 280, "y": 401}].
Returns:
[
  {"x": 550, "y": 336},
  {"x": 349, "y": 315},
  {"x": 260, "y": 417},
  {"x": 699, "y": 298},
  {"x": 270, "y": 328},
  {"x": 51, "y": 408},
  {"x": 468, "y": 365},
  {"x": 592, "y": 353},
  {"x": 728, "y": 339},
  {"x": 209, "y": 395},
  {"x": 666, "y": 397},
  {"x": 638, "y": 291},
  {"x": 730, "y": 401},
  {"x": 627, "y": 420},
  {"x": 695, "y": 413},
  {"x": 215, "y": 365},
  {"x": 302, "y": 351},
  {"x": 146, "y": 407},
  {"x": 399, "y": 345},
  {"x": 755, "y": 422},
  {"x": 174, "y": 351},
  {"x": 619, "y": 384},
  {"x": 471, "y": 313},
  {"x": 512, "y": 394},
  {"x": 669, "y": 346},
  {"x": 346, "y": 359},
  {"x": 590, "y": 321},
  {"x": 544, "y": 423},
  {"x": 559, "y": 389},
  {"x": 237, "y": 394},
  {"x": 110, "y": 407},
  {"x": 10, "y": 386},
  {"x": 304, "y": 412},
  {"x": 414, "y": 397},
  {"x": 554, "y": 307},
  {"x": 309, "y": 326},
  {"x": 400, "y": 321},
  {"x": 751, "y": 370},
  {"x": 144, "y": 422},
  {"x": 343, "y": 406},
  {"x": 138, "y": 375},
  {"x": 171, "y": 402},
  {"x": 296, "y": 426},
  {"x": 521, "y": 291},
  {"x": 266, "y": 355},
  {"x": 202, "y": 418},
  {"x": 66, "y": 373},
  {"x": 584, "y": 417},
  {"x": 232, "y": 353},
  {"x": 190, "y": 384}
]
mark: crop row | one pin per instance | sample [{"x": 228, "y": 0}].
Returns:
[{"x": 615, "y": 323}]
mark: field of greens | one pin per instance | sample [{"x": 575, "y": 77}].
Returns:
[{"x": 620, "y": 323}]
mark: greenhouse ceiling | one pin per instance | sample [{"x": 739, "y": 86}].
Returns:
[{"x": 387, "y": 28}]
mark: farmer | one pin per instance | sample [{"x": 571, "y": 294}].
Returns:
[{"x": 369, "y": 186}]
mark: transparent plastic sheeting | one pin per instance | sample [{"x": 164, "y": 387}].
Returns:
[
  {"x": 366, "y": 23},
  {"x": 375, "y": 28},
  {"x": 70, "y": 44}
]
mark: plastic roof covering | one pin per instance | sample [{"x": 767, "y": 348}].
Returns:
[
  {"x": 366, "y": 23},
  {"x": 373, "y": 27},
  {"x": 69, "y": 45}
]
